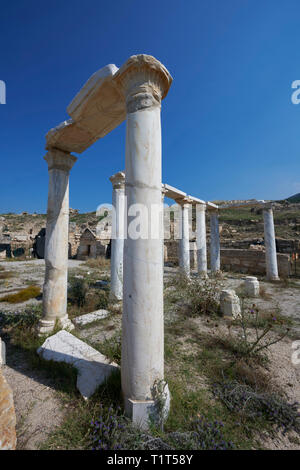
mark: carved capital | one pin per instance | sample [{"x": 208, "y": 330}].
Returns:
[
  {"x": 118, "y": 180},
  {"x": 59, "y": 160},
  {"x": 144, "y": 82}
]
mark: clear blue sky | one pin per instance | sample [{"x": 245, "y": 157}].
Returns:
[{"x": 229, "y": 128}]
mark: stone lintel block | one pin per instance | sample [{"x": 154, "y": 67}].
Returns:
[
  {"x": 92, "y": 366},
  {"x": 90, "y": 317}
]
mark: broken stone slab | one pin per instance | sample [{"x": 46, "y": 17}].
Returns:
[
  {"x": 2, "y": 353},
  {"x": 90, "y": 317},
  {"x": 230, "y": 303},
  {"x": 93, "y": 368}
]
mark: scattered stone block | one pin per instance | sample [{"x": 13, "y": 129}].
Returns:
[
  {"x": 90, "y": 317},
  {"x": 251, "y": 286},
  {"x": 2, "y": 353},
  {"x": 93, "y": 368},
  {"x": 230, "y": 303},
  {"x": 8, "y": 439}
]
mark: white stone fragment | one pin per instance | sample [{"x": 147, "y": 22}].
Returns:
[
  {"x": 251, "y": 286},
  {"x": 230, "y": 303},
  {"x": 90, "y": 317},
  {"x": 93, "y": 368},
  {"x": 2, "y": 353}
]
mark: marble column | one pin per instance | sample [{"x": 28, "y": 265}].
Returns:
[
  {"x": 144, "y": 82},
  {"x": 56, "y": 244},
  {"x": 214, "y": 242},
  {"x": 184, "y": 242},
  {"x": 201, "y": 239},
  {"x": 270, "y": 245},
  {"x": 117, "y": 242}
]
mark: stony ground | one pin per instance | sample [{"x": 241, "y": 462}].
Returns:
[{"x": 38, "y": 400}]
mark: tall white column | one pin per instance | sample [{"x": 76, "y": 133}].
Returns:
[
  {"x": 214, "y": 242},
  {"x": 56, "y": 244},
  {"x": 201, "y": 239},
  {"x": 184, "y": 242},
  {"x": 270, "y": 245},
  {"x": 144, "y": 81},
  {"x": 117, "y": 242}
]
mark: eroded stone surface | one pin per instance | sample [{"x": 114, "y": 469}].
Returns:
[
  {"x": 251, "y": 286},
  {"x": 8, "y": 439},
  {"x": 93, "y": 368},
  {"x": 230, "y": 303},
  {"x": 90, "y": 317}
]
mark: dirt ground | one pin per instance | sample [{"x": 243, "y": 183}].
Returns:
[{"x": 39, "y": 407}]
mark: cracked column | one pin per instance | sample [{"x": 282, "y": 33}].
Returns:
[
  {"x": 56, "y": 244},
  {"x": 184, "y": 242},
  {"x": 270, "y": 245},
  {"x": 117, "y": 242},
  {"x": 214, "y": 242},
  {"x": 144, "y": 82},
  {"x": 201, "y": 239}
]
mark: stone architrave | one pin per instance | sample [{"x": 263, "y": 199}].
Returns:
[
  {"x": 56, "y": 244},
  {"x": 215, "y": 262},
  {"x": 144, "y": 82},
  {"x": 117, "y": 241},
  {"x": 201, "y": 239},
  {"x": 270, "y": 245}
]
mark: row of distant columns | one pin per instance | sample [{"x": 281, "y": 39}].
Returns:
[{"x": 184, "y": 241}]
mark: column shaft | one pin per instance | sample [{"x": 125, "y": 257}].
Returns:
[
  {"x": 144, "y": 80},
  {"x": 214, "y": 243},
  {"x": 270, "y": 245},
  {"x": 184, "y": 243},
  {"x": 56, "y": 243},
  {"x": 117, "y": 242},
  {"x": 201, "y": 239}
]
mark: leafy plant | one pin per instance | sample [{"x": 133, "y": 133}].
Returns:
[
  {"x": 77, "y": 291},
  {"x": 247, "y": 345}
]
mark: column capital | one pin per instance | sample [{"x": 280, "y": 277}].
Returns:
[
  {"x": 182, "y": 201},
  {"x": 118, "y": 180},
  {"x": 59, "y": 160},
  {"x": 144, "y": 82}
]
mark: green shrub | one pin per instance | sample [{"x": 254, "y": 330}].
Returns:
[{"x": 77, "y": 291}]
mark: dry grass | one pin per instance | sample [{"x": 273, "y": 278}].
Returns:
[
  {"x": 29, "y": 292},
  {"x": 98, "y": 263}
]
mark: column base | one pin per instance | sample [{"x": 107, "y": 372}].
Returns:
[
  {"x": 273, "y": 278},
  {"x": 47, "y": 326},
  {"x": 143, "y": 413}
]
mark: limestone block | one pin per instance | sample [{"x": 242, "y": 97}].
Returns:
[
  {"x": 251, "y": 286},
  {"x": 93, "y": 368},
  {"x": 8, "y": 437},
  {"x": 90, "y": 317},
  {"x": 2, "y": 353},
  {"x": 230, "y": 303}
]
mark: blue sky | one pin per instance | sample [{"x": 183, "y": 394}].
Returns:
[{"x": 229, "y": 128}]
